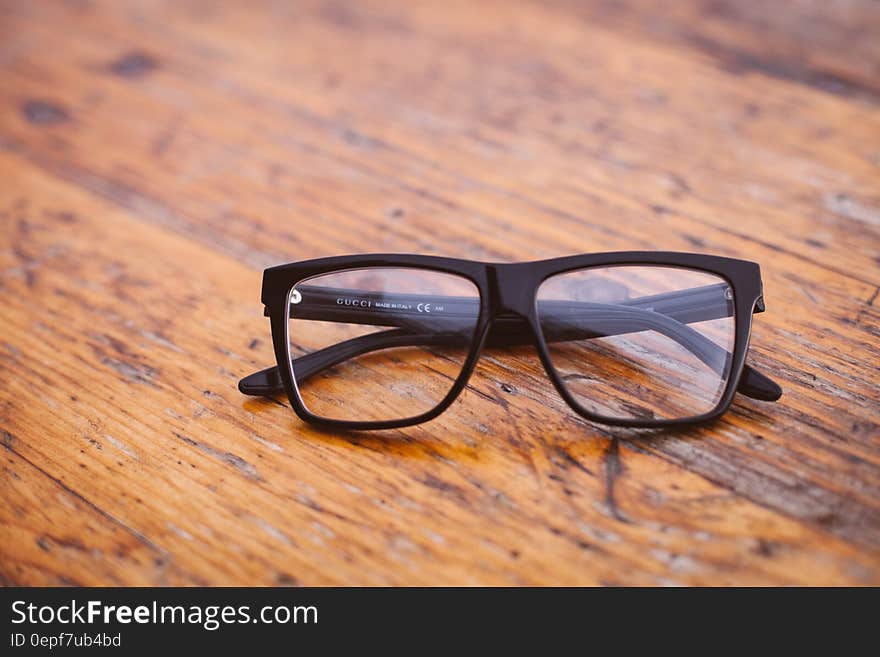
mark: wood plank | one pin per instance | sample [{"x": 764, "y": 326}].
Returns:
[
  {"x": 785, "y": 189},
  {"x": 515, "y": 242},
  {"x": 237, "y": 491},
  {"x": 800, "y": 42},
  {"x": 154, "y": 137}
]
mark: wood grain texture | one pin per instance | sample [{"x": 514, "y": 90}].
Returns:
[{"x": 155, "y": 156}]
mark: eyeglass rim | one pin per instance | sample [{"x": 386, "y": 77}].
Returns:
[
  {"x": 574, "y": 402},
  {"x": 444, "y": 403}
]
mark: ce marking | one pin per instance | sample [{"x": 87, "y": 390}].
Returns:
[{"x": 424, "y": 308}]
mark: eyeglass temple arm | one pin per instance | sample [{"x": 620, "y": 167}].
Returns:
[
  {"x": 268, "y": 382},
  {"x": 563, "y": 320}
]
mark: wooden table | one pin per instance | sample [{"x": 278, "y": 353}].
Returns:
[{"x": 156, "y": 156}]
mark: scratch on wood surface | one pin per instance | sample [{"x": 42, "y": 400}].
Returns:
[
  {"x": 275, "y": 447},
  {"x": 271, "y": 530},
  {"x": 851, "y": 208},
  {"x": 132, "y": 373},
  {"x": 229, "y": 458},
  {"x": 122, "y": 447}
]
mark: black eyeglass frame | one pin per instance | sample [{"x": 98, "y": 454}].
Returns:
[{"x": 509, "y": 290}]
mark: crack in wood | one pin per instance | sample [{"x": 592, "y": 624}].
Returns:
[{"x": 613, "y": 471}]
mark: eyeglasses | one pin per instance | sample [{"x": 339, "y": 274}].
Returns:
[{"x": 639, "y": 339}]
